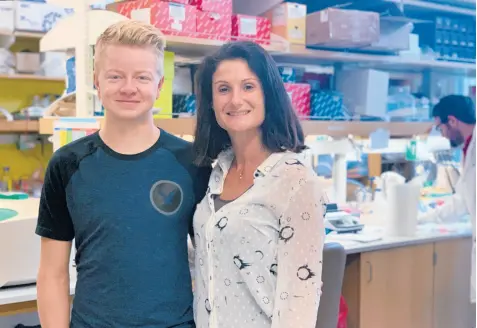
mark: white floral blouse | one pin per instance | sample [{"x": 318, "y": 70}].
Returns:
[{"x": 259, "y": 258}]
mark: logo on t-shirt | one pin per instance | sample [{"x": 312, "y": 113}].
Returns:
[{"x": 166, "y": 197}]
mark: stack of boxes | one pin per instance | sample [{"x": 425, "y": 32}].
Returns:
[
  {"x": 36, "y": 17},
  {"x": 288, "y": 21},
  {"x": 208, "y": 19},
  {"x": 173, "y": 18}
]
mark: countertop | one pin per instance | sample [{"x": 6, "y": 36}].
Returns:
[
  {"x": 27, "y": 208},
  {"x": 372, "y": 239}
]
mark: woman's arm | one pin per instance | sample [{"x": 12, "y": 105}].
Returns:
[{"x": 300, "y": 255}]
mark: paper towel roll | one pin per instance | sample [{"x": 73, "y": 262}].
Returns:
[{"x": 403, "y": 202}]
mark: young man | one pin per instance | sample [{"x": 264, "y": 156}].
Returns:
[
  {"x": 126, "y": 195},
  {"x": 454, "y": 116}
]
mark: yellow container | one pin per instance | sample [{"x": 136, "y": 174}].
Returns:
[
  {"x": 169, "y": 65},
  {"x": 289, "y": 21},
  {"x": 163, "y": 104}
]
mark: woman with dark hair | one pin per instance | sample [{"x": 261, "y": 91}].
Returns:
[{"x": 259, "y": 230}]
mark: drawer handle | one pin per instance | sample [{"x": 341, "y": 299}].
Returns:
[{"x": 370, "y": 271}]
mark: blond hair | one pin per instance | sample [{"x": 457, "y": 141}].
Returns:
[{"x": 135, "y": 34}]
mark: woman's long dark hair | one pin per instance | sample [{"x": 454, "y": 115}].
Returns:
[{"x": 281, "y": 129}]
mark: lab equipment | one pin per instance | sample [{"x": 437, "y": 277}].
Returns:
[
  {"x": 340, "y": 221},
  {"x": 19, "y": 245}
]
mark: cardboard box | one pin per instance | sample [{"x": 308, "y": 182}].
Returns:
[
  {"x": 214, "y": 26},
  {"x": 339, "y": 28},
  {"x": 300, "y": 97},
  {"x": 251, "y": 28},
  {"x": 393, "y": 37},
  {"x": 171, "y": 18},
  {"x": 214, "y": 6},
  {"x": 27, "y": 62},
  {"x": 289, "y": 21}
]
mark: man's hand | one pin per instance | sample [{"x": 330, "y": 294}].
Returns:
[{"x": 53, "y": 284}]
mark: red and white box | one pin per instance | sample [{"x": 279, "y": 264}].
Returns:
[
  {"x": 214, "y": 6},
  {"x": 252, "y": 28},
  {"x": 170, "y": 17},
  {"x": 214, "y": 26},
  {"x": 300, "y": 94}
]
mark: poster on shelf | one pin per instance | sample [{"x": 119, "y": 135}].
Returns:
[{"x": 68, "y": 129}]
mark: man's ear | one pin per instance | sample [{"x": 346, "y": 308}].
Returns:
[
  {"x": 96, "y": 82},
  {"x": 159, "y": 87},
  {"x": 452, "y": 120}
]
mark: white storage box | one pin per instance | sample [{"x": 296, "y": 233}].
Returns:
[
  {"x": 27, "y": 62},
  {"x": 38, "y": 16},
  {"x": 365, "y": 91}
]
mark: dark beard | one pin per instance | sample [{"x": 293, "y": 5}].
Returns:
[{"x": 457, "y": 141}]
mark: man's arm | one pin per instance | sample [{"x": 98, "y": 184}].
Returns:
[
  {"x": 53, "y": 284},
  {"x": 55, "y": 226},
  {"x": 453, "y": 209}
]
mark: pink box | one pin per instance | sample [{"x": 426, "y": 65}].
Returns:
[
  {"x": 214, "y": 26},
  {"x": 214, "y": 6},
  {"x": 251, "y": 28},
  {"x": 171, "y": 18},
  {"x": 300, "y": 96}
]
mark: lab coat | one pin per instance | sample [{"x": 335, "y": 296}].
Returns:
[{"x": 462, "y": 203}]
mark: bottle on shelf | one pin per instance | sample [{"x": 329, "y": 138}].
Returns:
[{"x": 6, "y": 181}]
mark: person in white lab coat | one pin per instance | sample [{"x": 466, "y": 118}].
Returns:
[{"x": 454, "y": 116}]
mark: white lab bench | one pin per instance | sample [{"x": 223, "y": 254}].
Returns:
[{"x": 421, "y": 281}]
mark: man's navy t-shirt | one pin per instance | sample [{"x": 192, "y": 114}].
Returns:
[{"x": 130, "y": 216}]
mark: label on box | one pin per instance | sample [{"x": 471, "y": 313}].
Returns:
[
  {"x": 287, "y": 71},
  {"x": 176, "y": 26},
  {"x": 379, "y": 139},
  {"x": 295, "y": 33},
  {"x": 296, "y": 11},
  {"x": 411, "y": 151},
  {"x": 177, "y": 12},
  {"x": 324, "y": 16},
  {"x": 248, "y": 26},
  {"x": 142, "y": 15}
]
